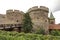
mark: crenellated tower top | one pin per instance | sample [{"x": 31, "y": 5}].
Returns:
[{"x": 39, "y": 8}]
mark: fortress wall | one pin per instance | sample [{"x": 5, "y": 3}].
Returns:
[
  {"x": 39, "y": 17},
  {"x": 16, "y": 15}
]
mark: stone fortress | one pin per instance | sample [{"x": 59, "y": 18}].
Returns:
[{"x": 13, "y": 20}]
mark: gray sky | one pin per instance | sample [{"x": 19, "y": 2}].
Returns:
[{"x": 24, "y": 5}]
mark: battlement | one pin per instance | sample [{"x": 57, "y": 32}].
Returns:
[
  {"x": 39, "y": 8},
  {"x": 33, "y": 8},
  {"x": 10, "y": 10},
  {"x": 14, "y": 11},
  {"x": 44, "y": 8}
]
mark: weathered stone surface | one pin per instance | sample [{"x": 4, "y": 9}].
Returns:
[
  {"x": 39, "y": 18},
  {"x": 15, "y": 16}
]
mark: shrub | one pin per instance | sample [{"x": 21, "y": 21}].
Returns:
[
  {"x": 40, "y": 31},
  {"x": 26, "y": 36},
  {"x": 55, "y": 33}
]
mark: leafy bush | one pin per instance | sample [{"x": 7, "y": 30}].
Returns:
[
  {"x": 40, "y": 31},
  {"x": 25, "y": 36},
  {"x": 55, "y": 33}
]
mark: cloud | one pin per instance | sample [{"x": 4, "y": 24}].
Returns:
[
  {"x": 57, "y": 6},
  {"x": 24, "y": 5}
]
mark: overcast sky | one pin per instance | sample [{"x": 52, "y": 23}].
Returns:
[{"x": 24, "y": 5}]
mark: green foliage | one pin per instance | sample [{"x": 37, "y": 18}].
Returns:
[
  {"x": 55, "y": 32},
  {"x": 40, "y": 31},
  {"x": 25, "y": 36},
  {"x": 27, "y": 25}
]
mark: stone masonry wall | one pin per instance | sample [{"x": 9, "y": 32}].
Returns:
[
  {"x": 39, "y": 17},
  {"x": 16, "y": 15}
]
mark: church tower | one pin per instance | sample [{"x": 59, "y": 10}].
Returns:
[{"x": 51, "y": 19}]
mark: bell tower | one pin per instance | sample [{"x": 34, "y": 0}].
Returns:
[{"x": 51, "y": 19}]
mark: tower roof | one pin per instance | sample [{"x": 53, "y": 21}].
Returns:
[{"x": 51, "y": 16}]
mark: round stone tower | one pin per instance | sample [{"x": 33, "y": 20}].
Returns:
[{"x": 39, "y": 18}]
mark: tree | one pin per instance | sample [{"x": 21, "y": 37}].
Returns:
[{"x": 27, "y": 24}]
